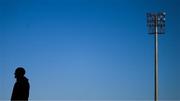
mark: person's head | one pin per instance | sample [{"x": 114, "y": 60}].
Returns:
[{"x": 19, "y": 72}]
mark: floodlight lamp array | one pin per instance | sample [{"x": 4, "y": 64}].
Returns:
[{"x": 156, "y": 20}]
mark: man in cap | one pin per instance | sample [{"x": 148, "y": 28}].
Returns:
[{"x": 21, "y": 87}]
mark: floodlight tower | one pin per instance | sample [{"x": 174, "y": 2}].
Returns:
[{"x": 156, "y": 25}]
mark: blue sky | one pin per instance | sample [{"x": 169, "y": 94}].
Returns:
[{"x": 88, "y": 49}]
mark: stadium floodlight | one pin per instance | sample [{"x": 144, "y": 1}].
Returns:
[{"x": 156, "y": 25}]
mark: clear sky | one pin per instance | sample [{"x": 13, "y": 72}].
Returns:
[{"x": 89, "y": 49}]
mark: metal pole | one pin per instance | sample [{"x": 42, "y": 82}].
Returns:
[
  {"x": 155, "y": 23},
  {"x": 156, "y": 59}
]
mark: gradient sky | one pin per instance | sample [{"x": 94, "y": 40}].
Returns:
[{"x": 88, "y": 49}]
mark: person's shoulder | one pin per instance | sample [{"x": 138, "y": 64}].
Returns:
[{"x": 25, "y": 79}]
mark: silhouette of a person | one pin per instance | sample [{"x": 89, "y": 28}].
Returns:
[{"x": 21, "y": 87}]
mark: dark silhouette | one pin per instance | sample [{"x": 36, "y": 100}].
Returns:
[{"x": 21, "y": 87}]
